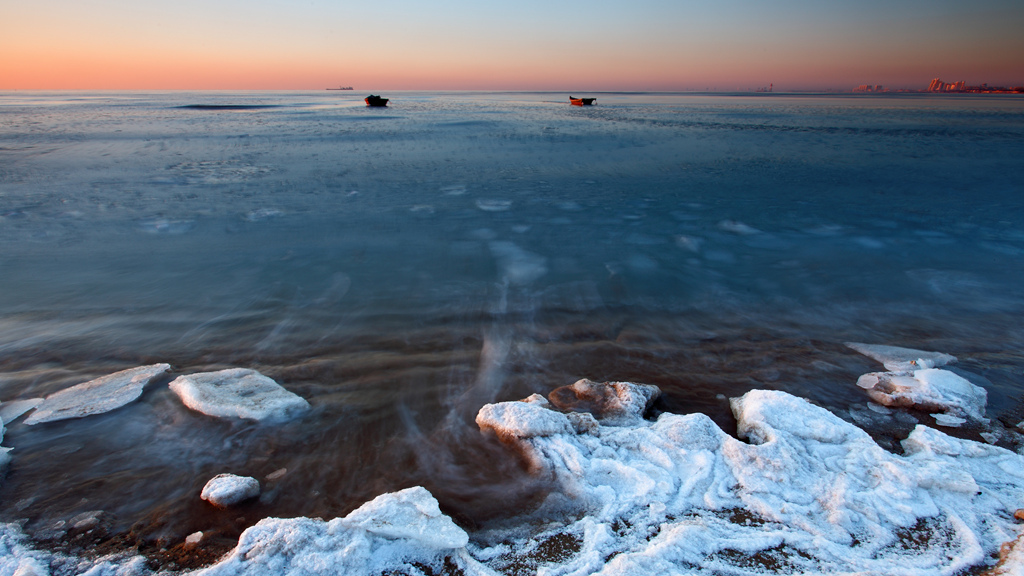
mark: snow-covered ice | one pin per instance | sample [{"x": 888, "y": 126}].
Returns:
[
  {"x": 807, "y": 491},
  {"x": 96, "y": 396},
  {"x": 225, "y": 490},
  {"x": 389, "y": 532},
  {"x": 239, "y": 393},
  {"x": 914, "y": 382}
]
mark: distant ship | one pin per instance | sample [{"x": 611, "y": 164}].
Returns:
[{"x": 342, "y": 88}]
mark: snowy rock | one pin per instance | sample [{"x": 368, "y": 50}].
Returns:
[
  {"x": 806, "y": 488},
  {"x": 610, "y": 402},
  {"x": 411, "y": 514},
  {"x": 12, "y": 410},
  {"x": 390, "y": 531},
  {"x": 225, "y": 490},
  {"x": 931, "y": 389},
  {"x": 96, "y": 396},
  {"x": 897, "y": 359},
  {"x": 238, "y": 392},
  {"x": 194, "y": 538}
]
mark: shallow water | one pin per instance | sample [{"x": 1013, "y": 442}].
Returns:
[{"x": 400, "y": 267}]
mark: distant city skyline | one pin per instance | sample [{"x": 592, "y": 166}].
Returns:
[{"x": 660, "y": 45}]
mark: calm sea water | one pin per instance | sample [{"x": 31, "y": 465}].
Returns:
[{"x": 401, "y": 267}]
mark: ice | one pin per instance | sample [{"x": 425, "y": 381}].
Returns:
[
  {"x": 96, "y": 396},
  {"x": 612, "y": 403},
  {"x": 391, "y": 531},
  {"x": 897, "y": 359},
  {"x": 948, "y": 421},
  {"x": 807, "y": 491},
  {"x": 13, "y": 409},
  {"x": 17, "y": 559},
  {"x": 931, "y": 389},
  {"x": 239, "y": 393},
  {"x": 411, "y": 514},
  {"x": 224, "y": 490}
]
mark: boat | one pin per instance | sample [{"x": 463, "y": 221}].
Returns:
[
  {"x": 581, "y": 101},
  {"x": 342, "y": 88},
  {"x": 372, "y": 100}
]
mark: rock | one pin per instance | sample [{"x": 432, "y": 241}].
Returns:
[
  {"x": 240, "y": 393},
  {"x": 96, "y": 396},
  {"x": 1019, "y": 514},
  {"x": 897, "y": 359},
  {"x": 194, "y": 538},
  {"x": 609, "y": 402},
  {"x": 225, "y": 490}
]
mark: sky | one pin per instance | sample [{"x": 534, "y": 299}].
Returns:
[{"x": 595, "y": 45}]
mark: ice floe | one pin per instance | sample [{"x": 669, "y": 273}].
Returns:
[
  {"x": 96, "y": 396},
  {"x": 807, "y": 493},
  {"x": 13, "y": 409},
  {"x": 239, "y": 393},
  {"x": 897, "y": 359},
  {"x": 914, "y": 382},
  {"x": 225, "y": 490},
  {"x": 383, "y": 535}
]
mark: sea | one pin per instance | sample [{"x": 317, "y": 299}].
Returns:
[{"x": 401, "y": 267}]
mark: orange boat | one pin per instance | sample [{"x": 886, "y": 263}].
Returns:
[
  {"x": 581, "y": 101},
  {"x": 372, "y": 100}
]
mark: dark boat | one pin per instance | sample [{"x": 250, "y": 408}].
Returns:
[
  {"x": 581, "y": 101},
  {"x": 342, "y": 88},
  {"x": 372, "y": 100}
]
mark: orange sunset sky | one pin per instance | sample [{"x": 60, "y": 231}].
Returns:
[{"x": 523, "y": 45}]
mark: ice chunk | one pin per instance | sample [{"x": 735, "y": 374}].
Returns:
[
  {"x": 381, "y": 536},
  {"x": 932, "y": 389},
  {"x": 610, "y": 402},
  {"x": 225, "y": 490},
  {"x": 948, "y": 420},
  {"x": 10, "y": 411},
  {"x": 238, "y": 392},
  {"x": 514, "y": 420},
  {"x": 897, "y": 359},
  {"x": 411, "y": 514},
  {"x": 96, "y": 396},
  {"x": 808, "y": 490}
]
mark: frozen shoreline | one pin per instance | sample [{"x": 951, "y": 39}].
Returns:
[{"x": 806, "y": 492}]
